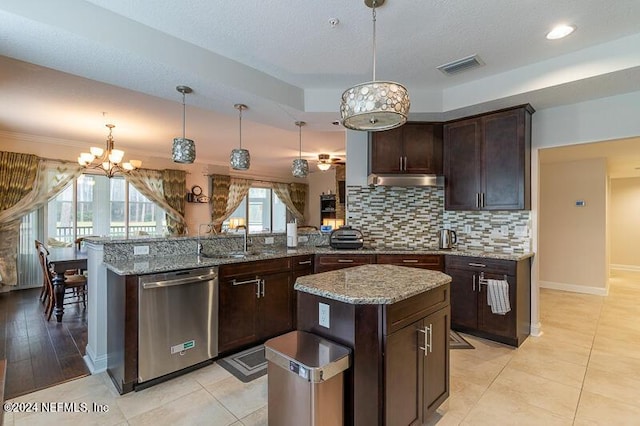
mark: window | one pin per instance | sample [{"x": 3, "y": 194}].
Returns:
[
  {"x": 97, "y": 205},
  {"x": 266, "y": 212}
]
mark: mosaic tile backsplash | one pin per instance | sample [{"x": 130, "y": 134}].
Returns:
[{"x": 394, "y": 217}]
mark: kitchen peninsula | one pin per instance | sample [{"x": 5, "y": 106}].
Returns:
[{"x": 396, "y": 321}]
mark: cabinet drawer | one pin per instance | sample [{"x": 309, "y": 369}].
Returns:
[
  {"x": 302, "y": 262},
  {"x": 480, "y": 264},
  {"x": 255, "y": 268},
  {"x": 405, "y": 312},
  {"x": 426, "y": 261},
  {"x": 341, "y": 259}
]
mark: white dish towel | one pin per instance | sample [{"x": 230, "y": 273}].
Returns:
[{"x": 498, "y": 296}]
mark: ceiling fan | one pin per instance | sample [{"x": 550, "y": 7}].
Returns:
[{"x": 325, "y": 161}]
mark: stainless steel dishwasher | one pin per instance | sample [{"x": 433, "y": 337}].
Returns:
[{"x": 177, "y": 321}]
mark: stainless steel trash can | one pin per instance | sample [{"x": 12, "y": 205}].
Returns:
[{"x": 305, "y": 380}]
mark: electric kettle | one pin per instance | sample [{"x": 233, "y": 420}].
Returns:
[{"x": 447, "y": 238}]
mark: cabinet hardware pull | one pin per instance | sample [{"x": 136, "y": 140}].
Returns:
[
  {"x": 482, "y": 199},
  {"x": 345, "y": 260},
  {"x": 400, "y": 163},
  {"x": 477, "y": 199},
  {"x": 253, "y": 281},
  {"x": 474, "y": 282},
  {"x": 405, "y": 164},
  {"x": 305, "y": 262},
  {"x": 424, "y": 348},
  {"x": 430, "y": 345},
  {"x": 480, "y": 265},
  {"x": 263, "y": 287},
  {"x": 409, "y": 260}
]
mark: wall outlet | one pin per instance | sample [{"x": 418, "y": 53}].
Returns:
[
  {"x": 140, "y": 250},
  {"x": 497, "y": 232},
  {"x": 504, "y": 229},
  {"x": 268, "y": 240},
  {"x": 303, "y": 239},
  {"x": 467, "y": 229},
  {"x": 521, "y": 231},
  {"x": 323, "y": 315}
]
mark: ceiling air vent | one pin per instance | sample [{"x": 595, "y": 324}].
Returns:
[{"x": 460, "y": 65}]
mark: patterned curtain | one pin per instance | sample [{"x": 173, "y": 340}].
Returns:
[
  {"x": 150, "y": 184},
  {"x": 236, "y": 190},
  {"x": 298, "y": 194},
  {"x": 39, "y": 180},
  {"x": 283, "y": 191},
  {"x": 174, "y": 184}
]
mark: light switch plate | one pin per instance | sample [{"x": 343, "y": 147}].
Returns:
[
  {"x": 323, "y": 315},
  {"x": 268, "y": 240},
  {"x": 303, "y": 239}
]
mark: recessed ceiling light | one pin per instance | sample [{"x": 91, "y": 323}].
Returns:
[{"x": 560, "y": 31}]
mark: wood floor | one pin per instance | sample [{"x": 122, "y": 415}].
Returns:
[{"x": 39, "y": 354}]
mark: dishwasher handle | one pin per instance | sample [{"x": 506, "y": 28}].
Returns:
[{"x": 179, "y": 281}]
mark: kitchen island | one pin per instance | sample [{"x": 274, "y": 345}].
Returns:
[{"x": 396, "y": 321}]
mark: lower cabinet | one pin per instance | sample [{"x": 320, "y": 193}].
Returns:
[
  {"x": 255, "y": 302},
  {"x": 470, "y": 311},
  {"x": 417, "y": 369},
  {"x": 392, "y": 381}
]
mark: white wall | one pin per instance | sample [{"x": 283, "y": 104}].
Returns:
[{"x": 319, "y": 183}]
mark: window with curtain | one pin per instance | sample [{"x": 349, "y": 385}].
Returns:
[
  {"x": 264, "y": 210},
  {"x": 97, "y": 205}
]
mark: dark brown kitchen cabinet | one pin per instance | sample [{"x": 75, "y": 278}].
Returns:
[
  {"x": 470, "y": 311},
  {"x": 434, "y": 262},
  {"x": 411, "y": 148},
  {"x": 255, "y": 302},
  {"x": 300, "y": 266},
  {"x": 392, "y": 380},
  {"x": 487, "y": 161},
  {"x": 331, "y": 262},
  {"x": 417, "y": 369}
]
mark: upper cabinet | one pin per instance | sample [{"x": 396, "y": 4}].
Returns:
[
  {"x": 487, "y": 161},
  {"x": 411, "y": 148}
]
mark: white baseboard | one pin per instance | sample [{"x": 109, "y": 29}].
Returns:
[
  {"x": 574, "y": 288},
  {"x": 536, "y": 329},
  {"x": 95, "y": 364},
  {"x": 616, "y": 267}
]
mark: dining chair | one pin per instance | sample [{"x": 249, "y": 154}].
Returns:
[{"x": 75, "y": 285}]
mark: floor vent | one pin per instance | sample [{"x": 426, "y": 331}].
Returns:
[{"x": 460, "y": 65}]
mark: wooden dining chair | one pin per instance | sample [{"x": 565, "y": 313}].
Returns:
[{"x": 75, "y": 285}]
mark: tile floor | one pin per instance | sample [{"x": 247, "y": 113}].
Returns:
[{"x": 584, "y": 370}]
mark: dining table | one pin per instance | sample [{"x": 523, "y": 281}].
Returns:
[{"x": 62, "y": 259}]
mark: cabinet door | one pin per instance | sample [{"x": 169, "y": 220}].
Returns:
[
  {"x": 501, "y": 325},
  {"x": 422, "y": 145},
  {"x": 503, "y": 178},
  {"x": 301, "y": 265},
  {"x": 386, "y": 151},
  {"x": 403, "y": 372},
  {"x": 237, "y": 312},
  {"x": 275, "y": 315},
  {"x": 464, "y": 298},
  {"x": 462, "y": 164},
  {"x": 436, "y": 361}
]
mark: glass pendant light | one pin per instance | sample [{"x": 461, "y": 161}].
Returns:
[
  {"x": 240, "y": 158},
  {"x": 184, "y": 150},
  {"x": 375, "y": 105},
  {"x": 300, "y": 167}
]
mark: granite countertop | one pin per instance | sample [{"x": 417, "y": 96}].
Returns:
[
  {"x": 152, "y": 265},
  {"x": 371, "y": 284}
]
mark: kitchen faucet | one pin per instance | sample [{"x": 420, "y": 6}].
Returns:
[{"x": 211, "y": 229}]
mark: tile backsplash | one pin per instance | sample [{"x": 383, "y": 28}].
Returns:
[{"x": 395, "y": 217}]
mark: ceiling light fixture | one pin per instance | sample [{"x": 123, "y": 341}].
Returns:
[
  {"x": 109, "y": 160},
  {"x": 376, "y": 105},
  {"x": 324, "y": 162},
  {"x": 184, "y": 150},
  {"x": 560, "y": 31},
  {"x": 300, "y": 167},
  {"x": 240, "y": 158}
]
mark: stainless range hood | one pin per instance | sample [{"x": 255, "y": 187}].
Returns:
[{"x": 405, "y": 180}]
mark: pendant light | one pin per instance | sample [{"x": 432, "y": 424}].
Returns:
[
  {"x": 375, "y": 105},
  {"x": 240, "y": 158},
  {"x": 184, "y": 150},
  {"x": 300, "y": 167}
]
